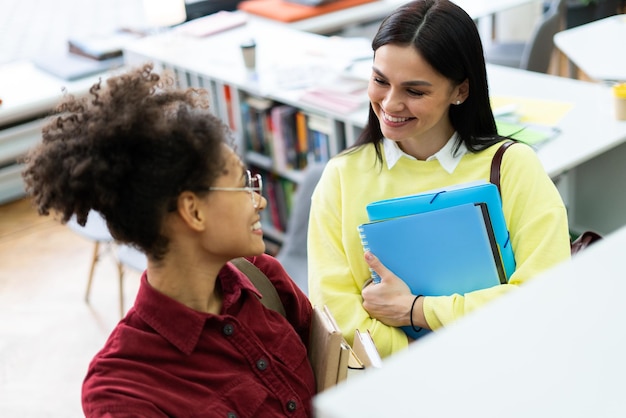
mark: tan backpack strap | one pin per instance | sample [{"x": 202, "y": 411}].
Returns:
[
  {"x": 494, "y": 176},
  {"x": 270, "y": 298}
]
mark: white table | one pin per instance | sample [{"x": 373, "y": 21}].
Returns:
[
  {"x": 377, "y": 10},
  {"x": 555, "y": 348},
  {"x": 587, "y": 130},
  {"x": 587, "y": 157},
  {"x": 597, "y": 48},
  {"x": 27, "y": 94}
]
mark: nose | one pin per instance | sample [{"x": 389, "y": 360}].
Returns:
[
  {"x": 392, "y": 102},
  {"x": 262, "y": 202}
]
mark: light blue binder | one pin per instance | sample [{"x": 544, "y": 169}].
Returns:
[
  {"x": 440, "y": 252},
  {"x": 472, "y": 192}
]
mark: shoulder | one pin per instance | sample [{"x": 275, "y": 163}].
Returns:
[
  {"x": 296, "y": 303},
  {"x": 276, "y": 273},
  {"x": 351, "y": 165},
  {"x": 518, "y": 157},
  {"x": 354, "y": 157},
  {"x": 521, "y": 159},
  {"x": 517, "y": 151},
  {"x": 268, "y": 265}
]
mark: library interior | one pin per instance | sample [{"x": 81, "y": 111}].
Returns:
[{"x": 290, "y": 80}]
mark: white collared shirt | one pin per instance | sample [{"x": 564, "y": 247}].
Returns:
[{"x": 446, "y": 156}]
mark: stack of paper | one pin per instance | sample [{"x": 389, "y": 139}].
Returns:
[
  {"x": 213, "y": 23},
  {"x": 339, "y": 95}
]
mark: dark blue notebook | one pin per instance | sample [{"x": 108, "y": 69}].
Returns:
[{"x": 441, "y": 252}]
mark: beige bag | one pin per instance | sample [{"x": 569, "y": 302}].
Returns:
[{"x": 329, "y": 354}]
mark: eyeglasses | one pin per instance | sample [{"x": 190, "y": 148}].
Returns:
[{"x": 254, "y": 186}]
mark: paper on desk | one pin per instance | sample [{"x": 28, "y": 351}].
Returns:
[
  {"x": 213, "y": 23},
  {"x": 534, "y": 111},
  {"x": 527, "y": 133},
  {"x": 337, "y": 94}
]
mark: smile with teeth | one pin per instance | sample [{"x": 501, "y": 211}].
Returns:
[
  {"x": 256, "y": 226},
  {"x": 394, "y": 119}
]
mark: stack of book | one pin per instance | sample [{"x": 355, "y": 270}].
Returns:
[
  {"x": 332, "y": 358},
  {"x": 88, "y": 55}
]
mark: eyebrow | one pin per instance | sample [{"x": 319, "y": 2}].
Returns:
[{"x": 410, "y": 83}]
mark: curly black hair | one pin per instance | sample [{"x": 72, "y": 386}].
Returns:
[{"x": 127, "y": 150}]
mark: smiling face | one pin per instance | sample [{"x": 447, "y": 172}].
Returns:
[
  {"x": 233, "y": 226},
  {"x": 411, "y": 100}
]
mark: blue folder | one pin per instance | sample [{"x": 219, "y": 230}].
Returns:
[
  {"x": 473, "y": 192},
  {"x": 440, "y": 252}
]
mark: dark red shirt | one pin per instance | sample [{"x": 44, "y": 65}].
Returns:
[{"x": 165, "y": 359}]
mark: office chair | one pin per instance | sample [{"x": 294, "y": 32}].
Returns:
[
  {"x": 536, "y": 53},
  {"x": 293, "y": 252},
  {"x": 94, "y": 230},
  {"x": 128, "y": 257}
]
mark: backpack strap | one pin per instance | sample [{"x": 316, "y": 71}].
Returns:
[
  {"x": 583, "y": 241},
  {"x": 494, "y": 176},
  {"x": 270, "y": 298}
]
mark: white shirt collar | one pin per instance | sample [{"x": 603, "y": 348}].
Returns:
[{"x": 446, "y": 157}]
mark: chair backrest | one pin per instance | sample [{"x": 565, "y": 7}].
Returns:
[
  {"x": 131, "y": 257},
  {"x": 95, "y": 229},
  {"x": 538, "y": 51}
]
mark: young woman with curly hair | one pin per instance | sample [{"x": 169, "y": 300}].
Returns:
[{"x": 159, "y": 167}]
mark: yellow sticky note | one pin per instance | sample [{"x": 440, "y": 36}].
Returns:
[{"x": 535, "y": 111}]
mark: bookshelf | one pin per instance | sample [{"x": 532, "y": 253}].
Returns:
[{"x": 277, "y": 134}]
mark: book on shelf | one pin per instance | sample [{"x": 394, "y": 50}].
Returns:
[
  {"x": 273, "y": 204},
  {"x": 283, "y": 146},
  {"x": 279, "y": 193},
  {"x": 319, "y": 131},
  {"x": 258, "y": 130},
  {"x": 302, "y": 135},
  {"x": 229, "y": 107},
  {"x": 440, "y": 252},
  {"x": 470, "y": 192}
]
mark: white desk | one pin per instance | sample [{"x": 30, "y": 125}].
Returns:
[
  {"x": 597, "y": 48},
  {"x": 587, "y": 130},
  {"x": 590, "y": 151},
  {"x": 377, "y": 10},
  {"x": 555, "y": 348},
  {"x": 27, "y": 96}
]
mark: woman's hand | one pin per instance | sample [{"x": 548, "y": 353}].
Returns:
[{"x": 390, "y": 300}]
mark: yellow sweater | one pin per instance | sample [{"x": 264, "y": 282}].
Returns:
[{"x": 533, "y": 209}]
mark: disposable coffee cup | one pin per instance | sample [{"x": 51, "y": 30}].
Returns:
[
  {"x": 619, "y": 97},
  {"x": 248, "y": 51}
]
